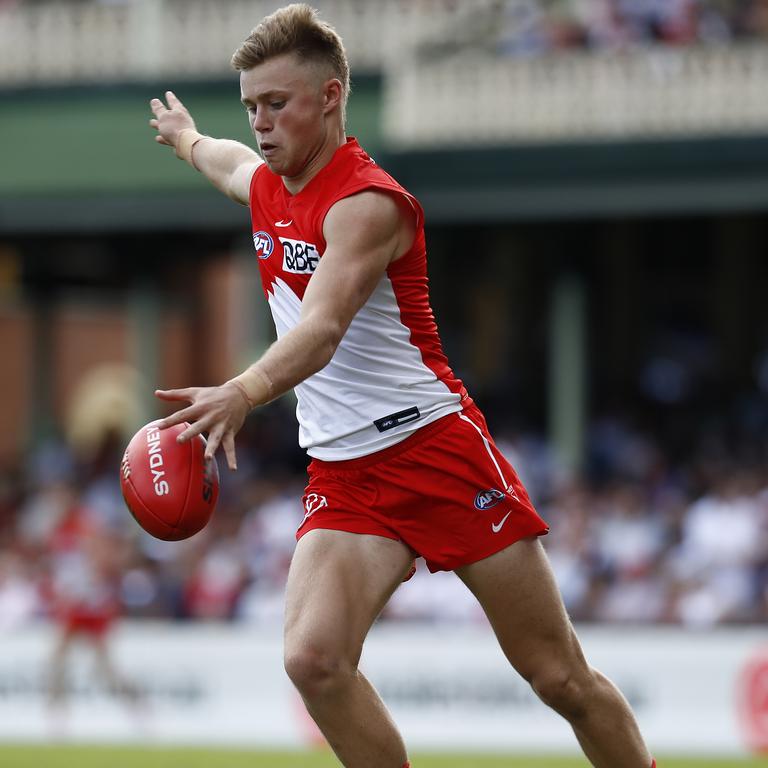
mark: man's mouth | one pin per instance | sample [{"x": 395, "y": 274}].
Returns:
[{"x": 267, "y": 148}]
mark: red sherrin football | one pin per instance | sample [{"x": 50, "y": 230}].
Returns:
[{"x": 169, "y": 487}]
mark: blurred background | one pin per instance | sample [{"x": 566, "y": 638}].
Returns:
[{"x": 595, "y": 180}]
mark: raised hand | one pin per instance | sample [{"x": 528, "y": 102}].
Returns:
[{"x": 170, "y": 120}]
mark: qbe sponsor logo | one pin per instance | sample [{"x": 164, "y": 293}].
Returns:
[
  {"x": 264, "y": 244},
  {"x": 299, "y": 257}
]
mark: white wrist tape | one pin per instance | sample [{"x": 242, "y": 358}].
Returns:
[
  {"x": 185, "y": 141},
  {"x": 255, "y": 386}
]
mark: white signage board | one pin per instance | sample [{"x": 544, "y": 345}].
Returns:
[{"x": 449, "y": 687}]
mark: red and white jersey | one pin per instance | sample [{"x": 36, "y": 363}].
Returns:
[{"x": 389, "y": 375}]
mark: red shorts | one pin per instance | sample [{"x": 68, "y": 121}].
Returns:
[
  {"x": 446, "y": 492},
  {"x": 94, "y": 624}
]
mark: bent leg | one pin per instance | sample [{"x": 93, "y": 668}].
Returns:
[
  {"x": 518, "y": 593},
  {"x": 57, "y": 684},
  {"x": 118, "y": 684},
  {"x": 337, "y": 586}
]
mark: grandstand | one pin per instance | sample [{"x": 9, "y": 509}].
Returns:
[{"x": 604, "y": 162}]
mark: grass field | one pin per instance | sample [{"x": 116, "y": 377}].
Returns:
[{"x": 65, "y": 756}]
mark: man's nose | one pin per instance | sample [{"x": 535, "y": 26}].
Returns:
[{"x": 260, "y": 121}]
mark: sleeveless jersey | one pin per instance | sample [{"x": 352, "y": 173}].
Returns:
[{"x": 388, "y": 376}]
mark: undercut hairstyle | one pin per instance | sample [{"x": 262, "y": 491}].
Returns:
[{"x": 296, "y": 28}]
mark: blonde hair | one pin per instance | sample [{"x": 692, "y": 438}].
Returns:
[{"x": 296, "y": 28}]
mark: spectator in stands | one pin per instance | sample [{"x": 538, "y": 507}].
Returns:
[
  {"x": 724, "y": 544},
  {"x": 633, "y": 531},
  {"x": 524, "y": 27},
  {"x": 20, "y": 601}
]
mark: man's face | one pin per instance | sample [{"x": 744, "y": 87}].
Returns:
[{"x": 286, "y": 100}]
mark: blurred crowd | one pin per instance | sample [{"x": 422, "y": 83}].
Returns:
[
  {"x": 529, "y": 27},
  {"x": 524, "y": 27},
  {"x": 635, "y": 537}
]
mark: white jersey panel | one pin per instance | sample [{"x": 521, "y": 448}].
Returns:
[{"x": 376, "y": 372}]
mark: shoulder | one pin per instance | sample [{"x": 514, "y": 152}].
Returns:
[
  {"x": 372, "y": 220},
  {"x": 355, "y": 175},
  {"x": 374, "y": 210}
]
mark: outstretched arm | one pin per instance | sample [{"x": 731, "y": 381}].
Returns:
[
  {"x": 363, "y": 233},
  {"x": 227, "y": 164}
]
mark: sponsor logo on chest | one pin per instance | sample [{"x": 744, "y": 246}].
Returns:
[{"x": 299, "y": 257}]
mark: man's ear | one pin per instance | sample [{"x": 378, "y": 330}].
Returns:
[{"x": 332, "y": 94}]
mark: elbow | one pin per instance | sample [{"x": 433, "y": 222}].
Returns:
[
  {"x": 234, "y": 193},
  {"x": 328, "y": 340}
]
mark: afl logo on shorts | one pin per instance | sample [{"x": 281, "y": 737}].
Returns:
[
  {"x": 488, "y": 499},
  {"x": 263, "y": 244}
]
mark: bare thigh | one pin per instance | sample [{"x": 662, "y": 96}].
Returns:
[
  {"x": 518, "y": 593},
  {"x": 337, "y": 585}
]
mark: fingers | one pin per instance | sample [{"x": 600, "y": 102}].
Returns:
[
  {"x": 159, "y": 138},
  {"x": 214, "y": 440},
  {"x": 177, "y": 394},
  {"x": 175, "y": 418},
  {"x": 225, "y": 439},
  {"x": 228, "y": 443},
  {"x": 157, "y": 107},
  {"x": 172, "y": 99},
  {"x": 185, "y": 414},
  {"x": 196, "y": 428}
]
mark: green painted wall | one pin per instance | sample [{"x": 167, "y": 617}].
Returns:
[
  {"x": 84, "y": 140},
  {"x": 84, "y": 160}
]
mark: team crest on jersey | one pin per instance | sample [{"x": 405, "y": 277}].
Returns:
[
  {"x": 487, "y": 499},
  {"x": 299, "y": 257},
  {"x": 264, "y": 244}
]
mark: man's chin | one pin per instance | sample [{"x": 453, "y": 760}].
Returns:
[{"x": 277, "y": 167}]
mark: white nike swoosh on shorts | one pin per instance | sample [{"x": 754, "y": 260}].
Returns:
[{"x": 496, "y": 527}]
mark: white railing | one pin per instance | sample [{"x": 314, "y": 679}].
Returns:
[
  {"x": 60, "y": 41},
  {"x": 473, "y": 97},
  {"x": 448, "y": 686},
  {"x": 446, "y": 83}
]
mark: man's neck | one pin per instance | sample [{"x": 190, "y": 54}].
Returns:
[{"x": 321, "y": 158}]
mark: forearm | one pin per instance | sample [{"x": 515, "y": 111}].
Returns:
[
  {"x": 296, "y": 356},
  {"x": 218, "y": 160}
]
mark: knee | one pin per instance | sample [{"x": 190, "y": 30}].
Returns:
[
  {"x": 315, "y": 670},
  {"x": 564, "y": 690}
]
